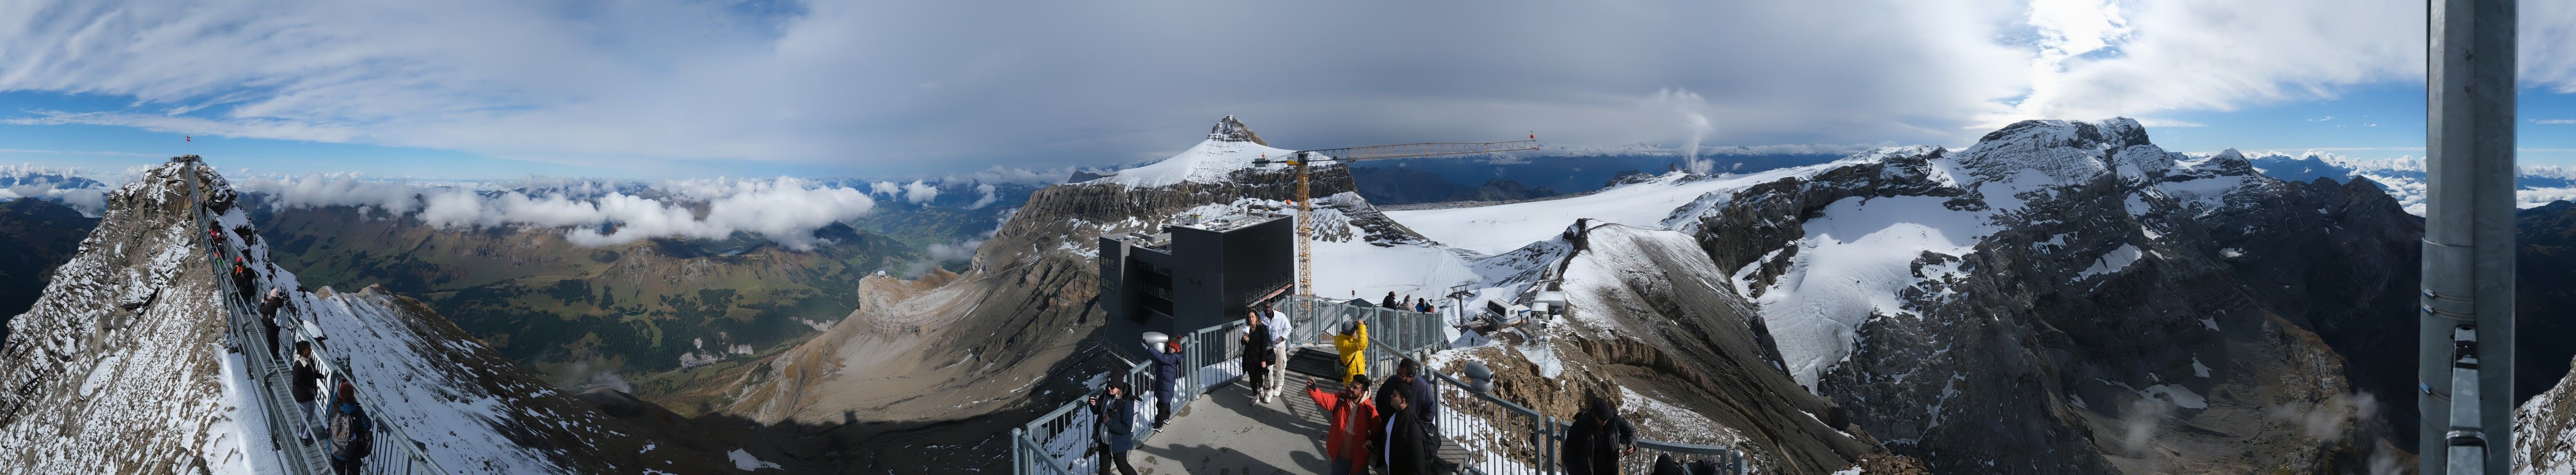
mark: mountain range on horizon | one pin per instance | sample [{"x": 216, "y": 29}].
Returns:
[{"x": 2059, "y": 284}]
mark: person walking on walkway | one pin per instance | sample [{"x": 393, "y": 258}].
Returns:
[
  {"x": 268, "y": 318},
  {"x": 306, "y": 380},
  {"x": 1353, "y": 345},
  {"x": 1280, "y": 328},
  {"x": 1409, "y": 448},
  {"x": 1118, "y": 425},
  {"x": 1354, "y": 422},
  {"x": 242, "y": 278},
  {"x": 1256, "y": 349},
  {"x": 1167, "y": 377},
  {"x": 353, "y": 436},
  {"x": 1598, "y": 438}
]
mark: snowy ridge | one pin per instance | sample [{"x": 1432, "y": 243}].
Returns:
[
  {"x": 1861, "y": 255},
  {"x": 2545, "y": 432},
  {"x": 132, "y": 333},
  {"x": 1228, "y": 148},
  {"x": 120, "y": 367}
]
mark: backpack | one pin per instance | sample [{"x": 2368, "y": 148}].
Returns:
[{"x": 352, "y": 436}]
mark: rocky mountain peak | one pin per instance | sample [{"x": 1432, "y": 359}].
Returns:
[
  {"x": 1230, "y": 130},
  {"x": 2116, "y": 131}
]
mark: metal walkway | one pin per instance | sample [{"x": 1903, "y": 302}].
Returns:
[{"x": 285, "y": 423}]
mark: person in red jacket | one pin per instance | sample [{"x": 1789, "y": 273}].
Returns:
[{"x": 1354, "y": 424}]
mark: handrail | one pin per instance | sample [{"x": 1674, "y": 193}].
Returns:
[
  {"x": 1473, "y": 426},
  {"x": 1036, "y": 444},
  {"x": 238, "y": 316}
]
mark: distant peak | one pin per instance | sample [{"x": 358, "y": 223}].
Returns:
[
  {"x": 2116, "y": 131},
  {"x": 1230, "y": 130}
]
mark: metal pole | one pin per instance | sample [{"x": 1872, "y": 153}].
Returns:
[{"x": 2468, "y": 239}]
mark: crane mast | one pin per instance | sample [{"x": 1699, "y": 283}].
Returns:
[{"x": 1305, "y": 194}]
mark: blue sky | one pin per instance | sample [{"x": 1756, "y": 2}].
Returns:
[{"x": 690, "y": 88}]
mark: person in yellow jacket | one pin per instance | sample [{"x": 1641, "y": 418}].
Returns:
[{"x": 1352, "y": 343}]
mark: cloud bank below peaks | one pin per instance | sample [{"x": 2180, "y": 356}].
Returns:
[{"x": 785, "y": 210}]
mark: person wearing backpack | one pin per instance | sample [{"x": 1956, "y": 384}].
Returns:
[{"x": 352, "y": 434}]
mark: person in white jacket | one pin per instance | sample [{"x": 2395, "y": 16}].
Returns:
[{"x": 1279, "y": 330}]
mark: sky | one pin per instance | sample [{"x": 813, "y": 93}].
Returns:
[{"x": 676, "y": 89}]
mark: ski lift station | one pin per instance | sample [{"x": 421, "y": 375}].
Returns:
[{"x": 1199, "y": 273}]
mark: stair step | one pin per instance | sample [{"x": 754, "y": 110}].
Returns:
[{"x": 1316, "y": 361}]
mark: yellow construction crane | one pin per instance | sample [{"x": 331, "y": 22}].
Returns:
[{"x": 1305, "y": 195}]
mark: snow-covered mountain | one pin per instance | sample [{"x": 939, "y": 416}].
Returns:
[
  {"x": 123, "y": 365},
  {"x": 2404, "y": 177},
  {"x": 2544, "y": 431},
  {"x": 2060, "y": 297}
]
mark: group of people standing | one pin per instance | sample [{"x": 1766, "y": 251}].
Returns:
[
  {"x": 1392, "y": 427},
  {"x": 341, "y": 422},
  {"x": 1413, "y": 304}
]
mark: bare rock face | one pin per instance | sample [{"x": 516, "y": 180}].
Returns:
[
  {"x": 1230, "y": 130},
  {"x": 2088, "y": 303},
  {"x": 120, "y": 366},
  {"x": 125, "y": 365},
  {"x": 2544, "y": 432}
]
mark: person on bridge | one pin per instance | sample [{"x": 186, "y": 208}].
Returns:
[
  {"x": 242, "y": 277},
  {"x": 1167, "y": 378},
  {"x": 1389, "y": 302},
  {"x": 1280, "y": 328},
  {"x": 1354, "y": 424},
  {"x": 1118, "y": 423},
  {"x": 353, "y": 436},
  {"x": 268, "y": 317},
  {"x": 1353, "y": 345},
  {"x": 305, "y": 381},
  {"x": 1256, "y": 350},
  {"x": 1599, "y": 435},
  {"x": 1409, "y": 448}
]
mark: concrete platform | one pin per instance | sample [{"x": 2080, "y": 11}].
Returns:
[{"x": 1227, "y": 432}]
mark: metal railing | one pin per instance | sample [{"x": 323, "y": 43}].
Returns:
[
  {"x": 1392, "y": 333},
  {"x": 1643, "y": 460},
  {"x": 1499, "y": 436},
  {"x": 391, "y": 453},
  {"x": 1064, "y": 441}
]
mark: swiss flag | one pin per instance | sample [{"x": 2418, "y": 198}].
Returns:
[{"x": 187, "y": 138}]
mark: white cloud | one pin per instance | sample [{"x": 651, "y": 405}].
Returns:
[
  {"x": 914, "y": 87},
  {"x": 2554, "y": 121},
  {"x": 784, "y": 210},
  {"x": 919, "y": 191},
  {"x": 988, "y": 198}
]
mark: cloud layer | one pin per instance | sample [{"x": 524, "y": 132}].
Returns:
[
  {"x": 910, "y": 87},
  {"x": 785, "y": 210}
]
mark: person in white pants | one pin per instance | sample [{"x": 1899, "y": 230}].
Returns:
[{"x": 1279, "y": 330}]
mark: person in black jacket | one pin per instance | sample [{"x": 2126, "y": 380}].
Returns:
[
  {"x": 268, "y": 318},
  {"x": 1118, "y": 422},
  {"x": 306, "y": 381},
  {"x": 1256, "y": 350},
  {"x": 1389, "y": 302},
  {"x": 1409, "y": 448},
  {"x": 1598, "y": 438},
  {"x": 1665, "y": 465}
]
